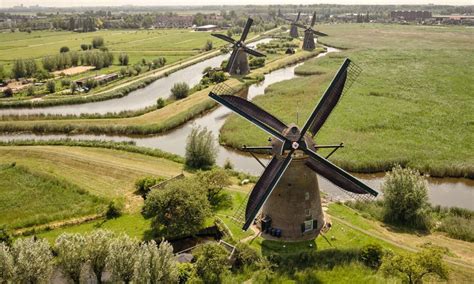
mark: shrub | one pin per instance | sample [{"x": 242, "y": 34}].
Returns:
[
  {"x": 90, "y": 83},
  {"x": 8, "y": 93},
  {"x": 201, "y": 150},
  {"x": 406, "y": 199},
  {"x": 371, "y": 255},
  {"x": 228, "y": 165},
  {"x": 257, "y": 62},
  {"x": 64, "y": 49},
  {"x": 185, "y": 270},
  {"x": 214, "y": 181},
  {"x": 97, "y": 250},
  {"x": 5, "y": 236},
  {"x": 123, "y": 59},
  {"x": 33, "y": 260},
  {"x": 245, "y": 255},
  {"x": 70, "y": 255},
  {"x": 137, "y": 68},
  {"x": 84, "y": 47},
  {"x": 97, "y": 42},
  {"x": 159, "y": 62},
  {"x": 180, "y": 90},
  {"x": 7, "y": 268},
  {"x": 160, "y": 103},
  {"x": 113, "y": 210},
  {"x": 122, "y": 257},
  {"x": 30, "y": 91},
  {"x": 143, "y": 185},
  {"x": 51, "y": 86},
  {"x": 211, "y": 262},
  {"x": 208, "y": 46},
  {"x": 65, "y": 83}
]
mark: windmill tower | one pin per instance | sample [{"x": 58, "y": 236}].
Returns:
[
  {"x": 287, "y": 192},
  {"x": 238, "y": 62},
  {"x": 293, "y": 26},
  {"x": 309, "y": 32}
]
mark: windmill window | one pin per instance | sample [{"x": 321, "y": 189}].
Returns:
[
  {"x": 308, "y": 225},
  {"x": 306, "y": 195},
  {"x": 308, "y": 212}
]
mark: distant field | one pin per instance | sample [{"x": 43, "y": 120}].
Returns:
[
  {"x": 29, "y": 198},
  {"x": 411, "y": 105},
  {"x": 174, "y": 44}
]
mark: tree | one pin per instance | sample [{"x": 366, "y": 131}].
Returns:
[
  {"x": 97, "y": 42},
  {"x": 155, "y": 264},
  {"x": 178, "y": 209},
  {"x": 159, "y": 62},
  {"x": 211, "y": 262},
  {"x": 201, "y": 150},
  {"x": 51, "y": 86},
  {"x": 123, "y": 59},
  {"x": 64, "y": 49},
  {"x": 415, "y": 266},
  {"x": 122, "y": 257},
  {"x": 245, "y": 255},
  {"x": 30, "y": 67},
  {"x": 70, "y": 253},
  {"x": 18, "y": 69},
  {"x": 160, "y": 103},
  {"x": 208, "y": 46},
  {"x": 73, "y": 87},
  {"x": 33, "y": 260},
  {"x": 137, "y": 68},
  {"x": 65, "y": 83},
  {"x": 406, "y": 199},
  {"x": 6, "y": 264},
  {"x": 97, "y": 250},
  {"x": 213, "y": 182},
  {"x": 180, "y": 90}
]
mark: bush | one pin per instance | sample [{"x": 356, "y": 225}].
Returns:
[
  {"x": 65, "y": 83},
  {"x": 51, "y": 86},
  {"x": 211, "y": 262},
  {"x": 257, "y": 62},
  {"x": 64, "y": 49},
  {"x": 159, "y": 62},
  {"x": 123, "y": 59},
  {"x": 208, "y": 46},
  {"x": 84, "y": 46},
  {"x": 371, "y": 255},
  {"x": 201, "y": 149},
  {"x": 180, "y": 90},
  {"x": 113, "y": 210},
  {"x": 245, "y": 255},
  {"x": 214, "y": 182},
  {"x": 30, "y": 91},
  {"x": 406, "y": 199},
  {"x": 8, "y": 93},
  {"x": 97, "y": 42},
  {"x": 160, "y": 103},
  {"x": 143, "y": 185},
  {"x": 90, "y": 84},
  {"x": 5, "y": 236}
]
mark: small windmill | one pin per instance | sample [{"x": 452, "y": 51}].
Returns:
[
  {"x": 309, "y": 32},
  {"x": 288, "y": 191},
  {"x": 238, "y": 62},
  {"x": 293, "y": 26}
]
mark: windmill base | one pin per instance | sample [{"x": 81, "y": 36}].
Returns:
[
  {"x": 241, "y": 64},
  {"x": 308, "y": 41},
  {"x": 293, "y": 212},
  {"x": 294, "y": 31}
]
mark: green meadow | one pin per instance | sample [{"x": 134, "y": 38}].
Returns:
[
  {"x": 174, "y": 44},
  {"x": 411, "y": 105}
]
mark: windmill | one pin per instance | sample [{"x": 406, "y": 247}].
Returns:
[
  {"x": 287, "y": 191},
  {"x": 293, "y": 26},
  {"x": 238, "y": 63},
  {"x": 308, "y": 41}
]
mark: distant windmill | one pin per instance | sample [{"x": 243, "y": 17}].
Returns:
[
  {"x": 293, "y": 26},
  {"x": 238, "y": 62},
  {"x": 308, "y": 41},
  {"x": 288, "y": 191}
]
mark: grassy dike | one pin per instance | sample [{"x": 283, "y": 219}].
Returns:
[{"x": 411, "y": 104}]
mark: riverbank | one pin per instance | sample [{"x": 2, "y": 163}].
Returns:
[{"x": 410, "y": 105}]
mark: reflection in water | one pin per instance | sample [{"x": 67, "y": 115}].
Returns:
[{"x": 445, "y": 192}]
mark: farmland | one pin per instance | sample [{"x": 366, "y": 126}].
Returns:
[{"x": 411, "y": 105}]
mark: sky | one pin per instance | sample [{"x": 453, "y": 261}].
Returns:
[{"x": 75, "y": 3}]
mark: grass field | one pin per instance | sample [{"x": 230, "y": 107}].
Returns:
[
  {"x": 411, "y": 105},
  {"x": 174, "y": 44},
  {"x": 104, "y": 173},
  {"x": 32, "y": 198}
]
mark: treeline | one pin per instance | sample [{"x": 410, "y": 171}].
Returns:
[{"x": 98, "y": 59}]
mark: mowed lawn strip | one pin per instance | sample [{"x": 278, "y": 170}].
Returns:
[
  {"x": 29, "y": 198},
  {"x": 411, "y": 105}
]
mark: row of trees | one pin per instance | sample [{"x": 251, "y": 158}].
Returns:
[
  {"x": 98, "y": 59},
  {"x": 79, "y": 257},
  {"x": 23, "y": 68}
]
